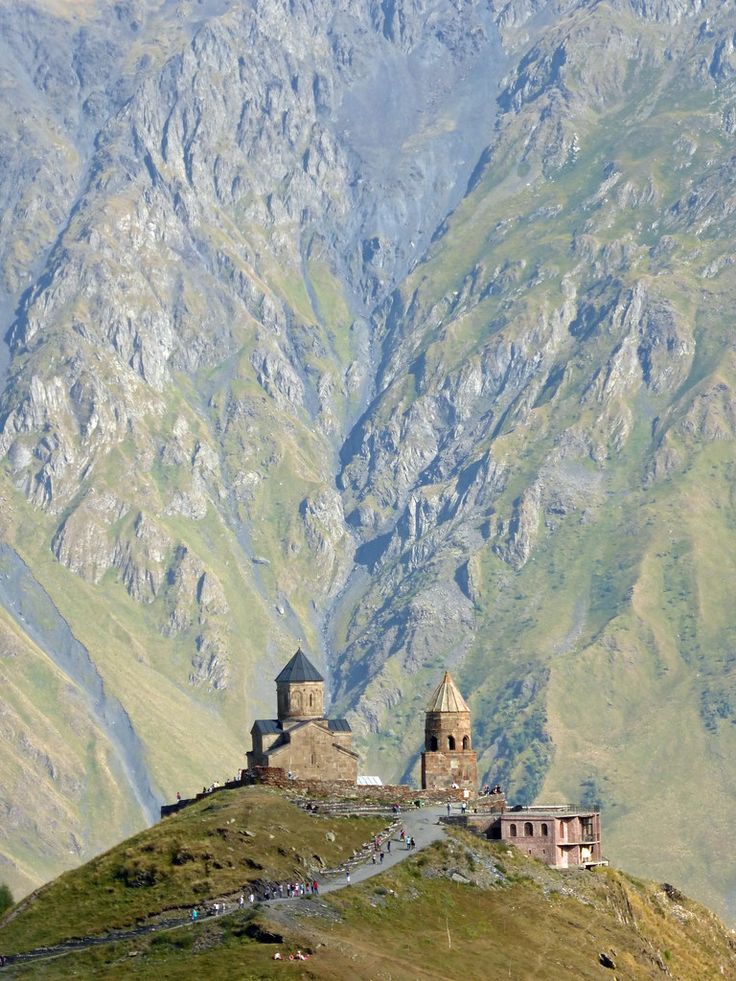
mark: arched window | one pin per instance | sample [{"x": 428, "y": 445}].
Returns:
[
  {"x": 311, "y": 700},
  {"x": 545, "y": 830},
  {"x": 529, "y": 829},
  {"x": 314, "y": 759},
  {"x": 450, "y": 742},
  {"x": 512, "y": 830},
  {"x": 466, "y": 742},
  {"x": 433, "y": 744}
]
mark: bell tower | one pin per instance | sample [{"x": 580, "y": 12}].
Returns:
[
  {"x": 448, "y": 756},
  {"x": 300, "y": 690}
]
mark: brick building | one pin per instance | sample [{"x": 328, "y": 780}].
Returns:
[
  {"x": 448, "y": 759},
  {"x": 560, "y": 836},
  {"x": 301, "y": 741}
]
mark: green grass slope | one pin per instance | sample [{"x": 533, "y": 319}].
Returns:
[
  {"x": 211, "y": 849},
  {"x": 463, "y": 908}
]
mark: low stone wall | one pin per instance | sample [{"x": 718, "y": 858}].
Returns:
[
  {"x": 483, "y": 816},
  {"x": 478, "y": 823},
  {"x": 179, "y": 805},
  {"x": 344, "y": 790},
  {"x": 341, "y": 794}
]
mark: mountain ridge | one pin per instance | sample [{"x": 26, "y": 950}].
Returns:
[{"x": 267, "y": 384}]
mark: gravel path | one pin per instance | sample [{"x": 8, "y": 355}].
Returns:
[{"x": 420, "y": 823}]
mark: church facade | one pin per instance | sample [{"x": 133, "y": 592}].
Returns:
[{"x": 301, "y": 741}]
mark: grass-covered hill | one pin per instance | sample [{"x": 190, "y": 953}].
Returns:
[
  {"x": 461, "y": 908},
  {"x": 222, "y": 845}
]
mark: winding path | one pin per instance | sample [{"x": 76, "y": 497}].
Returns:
[{"x": 420, "y": 824}]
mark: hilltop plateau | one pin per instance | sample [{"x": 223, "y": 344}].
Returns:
[
  {"x": 402, "y": 329},
  {"x": 460, "y": 907}
]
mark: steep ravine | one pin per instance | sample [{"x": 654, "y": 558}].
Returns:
[{"x": 31, "y": 606}]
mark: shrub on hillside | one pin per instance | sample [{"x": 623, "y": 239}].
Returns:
[{"x": 6, "y": 898}]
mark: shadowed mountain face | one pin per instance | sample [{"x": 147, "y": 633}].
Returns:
[{"x": 400, "y": 329}]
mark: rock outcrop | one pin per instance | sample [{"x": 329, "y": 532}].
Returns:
[{"x": 401, "y": 329}]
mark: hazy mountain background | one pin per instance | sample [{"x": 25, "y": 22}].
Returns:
[{"x": 400, "y": 328}]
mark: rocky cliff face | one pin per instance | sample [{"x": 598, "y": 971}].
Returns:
[{"x": 400, "y": 329}]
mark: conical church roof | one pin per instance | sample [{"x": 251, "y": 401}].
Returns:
[
  {"x": 447, "y": 697},
  {"x": 299, "y": 668}
]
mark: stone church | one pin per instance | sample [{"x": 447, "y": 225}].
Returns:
[
  {"x": 301, "y": 741},
  {"x": 448, "y": 759}
]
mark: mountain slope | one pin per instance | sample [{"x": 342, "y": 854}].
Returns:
[{"x": 442, "y": 379}]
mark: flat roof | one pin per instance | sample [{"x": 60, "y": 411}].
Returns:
[{"x": 549, "y": 814}]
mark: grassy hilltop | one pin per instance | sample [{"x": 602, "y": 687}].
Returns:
[
  {"x": 213, "y": 848},
  {"x": 462, "y": 908}
]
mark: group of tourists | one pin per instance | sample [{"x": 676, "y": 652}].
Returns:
[
  {"x": 266, "y": 891},
  {"x": 380, "y": 849},
  {"x": 294, "y": 890},
  {"x": 261, "y": 892}
]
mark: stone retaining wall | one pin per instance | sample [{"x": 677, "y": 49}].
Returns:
[{"x": 332, "y": 793}]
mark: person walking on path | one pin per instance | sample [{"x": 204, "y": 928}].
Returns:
[
  {"x": 195, "y": 916},
  {"x": 347, "y": 878},
  {"x": 382, "y": 854},
  {"x": 388, "y": 846},
  {"x": 449, "y": 808},
  {"x": 241, "y": 901},
  {"x": 315, "y": 887}
]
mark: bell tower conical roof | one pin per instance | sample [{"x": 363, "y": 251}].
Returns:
[{"x": 447, "y": 697}]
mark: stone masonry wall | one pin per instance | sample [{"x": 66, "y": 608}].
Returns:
[
  {"x": 332, "y": 791},
  {"x": 442, "y": 769},
  {"x": 314, "y": 753}
]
